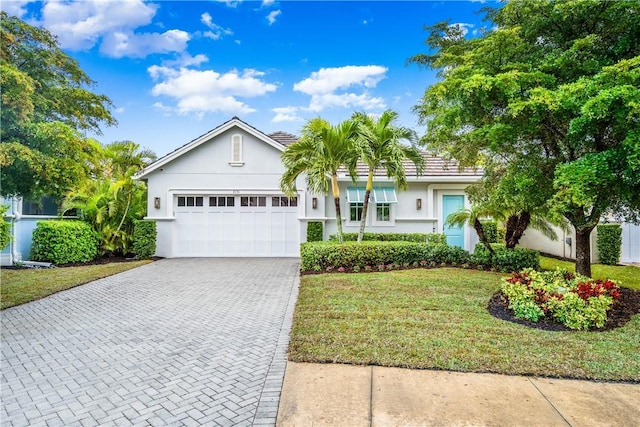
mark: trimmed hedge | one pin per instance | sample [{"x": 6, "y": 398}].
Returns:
[
  {"x": 314, "y": 231},
  {"x": 322, "y": 255},
  {"x": 506, "y": 259},
  {"x": 490, "y": 229},
  {"x": 144, "y": 238},
  {"x": 609, "y": 243},
  {"x": 63, "y": 242},
  {"x": 433, "y": 238}
]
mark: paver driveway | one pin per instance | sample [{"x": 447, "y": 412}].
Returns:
[{"x": 175, "y": 342}]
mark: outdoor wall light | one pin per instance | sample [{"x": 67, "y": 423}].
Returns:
[
  {"x": 156, "y": 202},
  {"x": 418, "y": 204},
  {"x": 314, "y": 203}
]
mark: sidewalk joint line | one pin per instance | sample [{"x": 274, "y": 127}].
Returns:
[
  {"x": 371, "y": 399},
  {"x": 550, "y": 403}
]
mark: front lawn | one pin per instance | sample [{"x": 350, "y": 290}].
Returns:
[
  {"x": 628, "y": 275},
  {"x": 438, "y": 319},
  {"x": 24, "y": 285}
]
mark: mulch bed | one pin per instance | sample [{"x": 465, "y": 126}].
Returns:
[{"x": 626, "y": 306}]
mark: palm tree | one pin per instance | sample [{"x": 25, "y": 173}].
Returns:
[
  {"x": 110, "y": 199},
  {"x": 319, "y": 153},
  {"x": 379, "y": 145},
  {"x": 472, "y": 217}
]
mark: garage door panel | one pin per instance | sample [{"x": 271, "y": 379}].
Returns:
[{"x": 237, "y": 230}]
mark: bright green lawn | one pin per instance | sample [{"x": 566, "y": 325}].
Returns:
[
  {"x": 24, "y": 285},
  {"x": 438, "y": 319},
  {"x": 628, "y": 276}
]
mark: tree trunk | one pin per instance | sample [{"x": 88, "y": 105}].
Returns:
[
  {"x": 583, "y": 251},
  {"x": 516, "y": 226},
  {"x": 336, "y": 200},
  {"x": 477, "y": 225},
  {"x": 365, "y": 206}
]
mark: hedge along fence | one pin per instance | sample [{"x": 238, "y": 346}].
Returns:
[
  {"x": 144, "y": 238},
  {"x": 432, "y": 238},
  {"x": 63, "y": 242},
  {"x": 314, "y": 231},
  {"x": 609, "y": 243},
  {"x": 322, "y": 255}
]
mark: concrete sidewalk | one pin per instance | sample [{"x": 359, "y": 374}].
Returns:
[{"x": 345, "y": 395}]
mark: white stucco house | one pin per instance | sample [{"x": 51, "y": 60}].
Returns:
[{"x": 219, "y": 196}]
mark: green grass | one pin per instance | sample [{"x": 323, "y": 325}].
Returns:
[
  {"x": 24, "y": 285},
  {"x": 627, "y": 276},
  {"x": 438, "y": 319}
]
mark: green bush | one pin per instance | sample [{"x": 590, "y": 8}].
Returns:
[
  {"x": 609, "y": 243},
  {"x": 394, "y": 237},
  {"x": 63, "y": 242},
  {"x": 5, "y": 228},
  {"x": 319, "y": 256},
  {"x": 576, "y": 301},
  {"x": 144, "y": 238},
  {"x": 502, "y": 234},
  {"x": 490, "y": 229},
  {"x": 314, "y": 231},
  {"x": 506, "y": 259}
]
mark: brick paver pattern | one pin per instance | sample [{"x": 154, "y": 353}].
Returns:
[{"x": 178, "y": 342}]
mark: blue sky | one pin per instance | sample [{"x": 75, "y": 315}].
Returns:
[{"x": 176, "y": 69}]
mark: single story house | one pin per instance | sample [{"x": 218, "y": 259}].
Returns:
[{"x": 219, "y": 195}]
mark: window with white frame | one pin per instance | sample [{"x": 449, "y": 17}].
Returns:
[
  {"x": 383, "y": 212},
  {"x": 355, "y": 198},
  {"x": 236, "y": 150}
]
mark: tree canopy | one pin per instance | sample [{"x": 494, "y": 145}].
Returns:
[
  {"x": 546, "y": 100},
  {"x": 46, "y": 107}
]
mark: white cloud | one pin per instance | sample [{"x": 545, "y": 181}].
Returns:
[
  {"x": 217, "y": 31},
  {"x": 463, "y": 27},
  {"x": 14, "y": 7},
  {"x": 199, "y": 92},
  {"x": 230, "y": 3},
  {"x": 286, "y": 114},
  {"x": 139, "y": 45},
  {"x": 82, "y": 25},
  {"x": 272, "y": 16},
  {"x": 343, "y": 87},
  {"x": 186, "y": 60},
  {"x": 267, "y": 2}
]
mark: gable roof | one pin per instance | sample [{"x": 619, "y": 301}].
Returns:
[{"x": 234, "y": 122}]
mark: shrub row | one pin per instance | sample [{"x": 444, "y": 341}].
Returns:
[
  {"x": 490, "y": 229},
  {"x": 63, "y": 242},
  {"x": 320, "y": 255},
  {"x": 609, "y": 243},
  {"x": 433, "y": 238},
  {"x": 505, "y": 259}
]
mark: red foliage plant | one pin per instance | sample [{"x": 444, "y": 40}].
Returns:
[{"x": 594, "y": 288}]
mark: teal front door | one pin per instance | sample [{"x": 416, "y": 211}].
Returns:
[{"x": 455, "y": 234}]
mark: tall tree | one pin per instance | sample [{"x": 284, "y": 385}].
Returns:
[
  {"x": 380, "y": 146},
  {"x": 46, "y": 104},
  {"x": 319, "y": 153},
  {"x": 109, "y": 198},
  {"x": 554, "y": 85}
]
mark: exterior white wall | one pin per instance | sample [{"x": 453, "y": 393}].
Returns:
[
  {"x": 207, "y": 169},
  {"x": 405, "y": 215},
  {"x": 533, "y": 239}
]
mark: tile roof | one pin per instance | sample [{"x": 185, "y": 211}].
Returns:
[
  {"x": 283, "y": 138},
  {"x": 435, "y": 166}
]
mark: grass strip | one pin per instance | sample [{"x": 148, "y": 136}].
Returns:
[{"x": 24, "y": 285}]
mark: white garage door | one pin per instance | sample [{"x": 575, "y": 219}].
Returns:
[
  {"x": 236, "y": 226},
  {"x": 630, "y": 243}
]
